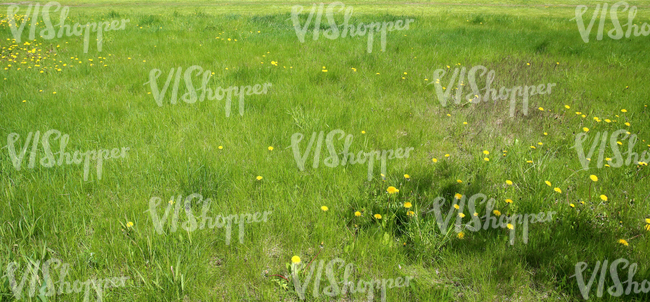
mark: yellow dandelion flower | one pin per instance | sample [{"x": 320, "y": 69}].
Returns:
[
  {"x": 461, "y": 215},
  {"x": 572, "y": 205},
  {"x": 496, "y": 213},
  {"x": 220, "y": 147},
  {"x": 324, "y": 208},
  {"x": 540, "y": 109},
  {"x": 407, "y": 176},
  {"x": 647, "y": 220},
  {"x": 259, "y": 178},
  {"x": 410, "y": 213},
  {"x": 557, "y": 190},
  {"x": 461, "y": 235},
  {"x": 548, "y": 183},
  {"x": 603, "y": 197},
  {"x": 458, "y": 196},
  {"x": 510, "y": 226},
  {"x": 270, "y": 148},
  {"x": 647, "y": 227},
  {"x": 585, "y": 129},
  {"x": 363, "y": 132},
  {"x": 508, "y": 182},
  {"x": 623, "y": 110},
  {"x": 567, "y": 107},
  {"x": 608, "y": 120},
  {"x": 435, "y": 160},
  {"x": 295, "y": 259},
  {"x": 486, "y": 152},
  {"x": 378, "y": 216},
  {"x": 508, "y": 200},
  {"x": 627, "y": 124},
  {"x": 593, "y": 177},
  {"x": 623, "y": 242},
  {"x": 129, "y": 224},
  {"x": 486, "y": 159},
  {"x": 459, "y": 181},
  {"x": 407, "y": 205},
  {"x": 475, "y": 214},
  {"x": 357, "y": 213},
  {"x": 456, "y": 207},
  {"x": 392, "y": 190},
  {"x": 446, "y": 155}
]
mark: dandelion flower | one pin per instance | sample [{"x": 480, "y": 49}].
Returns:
[
  {"x": 627, "y": 124},
  {"x": 603, "y": 197},
  {"x": 593, "y": 177},
  {"x": 508, "y": 200},
  {"x": 459, "y": 181},
  {"x": 357, "y": 213},
  {"x": 446, "y": 155},
  {"x": 259, "y": 178},
  {"x": 456, "y": 207},
  {"x": 585, "y": 129},
  {"x": 407, "y": 205},
  {"x": 220, "y": 147},
  {"x": 510, "y": 226},
  {"x": 647, "y": 220},
  {"x": 324, "y": 208},
  {"x": 486, "y": 152},
  {"x": 548, "y": 183},
  {"x": 567, "y": 107},
  {"x": 435, "y": 160},
  {"x": 461, "y": 215},
  {"x": 407, "y": 176},
  {"x": 623, "y": 242},
  {"x": 458, "y": 196},
  {"x": 558, "y": 190},
  {"x": 623, "y": 110},
  {"x": 378, "y": 216},
  {"x": 572, "y": 205},
  {"x": 540, "y": 109},
  {"x": 486, "y": 159},
  {"x": 270, "y": 148},
  {"x": 508, "y": 182},
  {"x": 647, "y": 227},
  {"x": 475, "y": 214},
  {"x": 295, "y": 259},
  {"x": 461, "y": 235},
  {"x": 496, "y": 212},
  {"x": 129, "y": 224},
  {"x": 392, "y": 190},
  {"x": 410, "y": 213}
]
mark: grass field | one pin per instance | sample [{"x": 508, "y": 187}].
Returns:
[{"x": 245, "y": 162}]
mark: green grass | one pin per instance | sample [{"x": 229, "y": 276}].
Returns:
[{"x": 53, "y": 213}]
